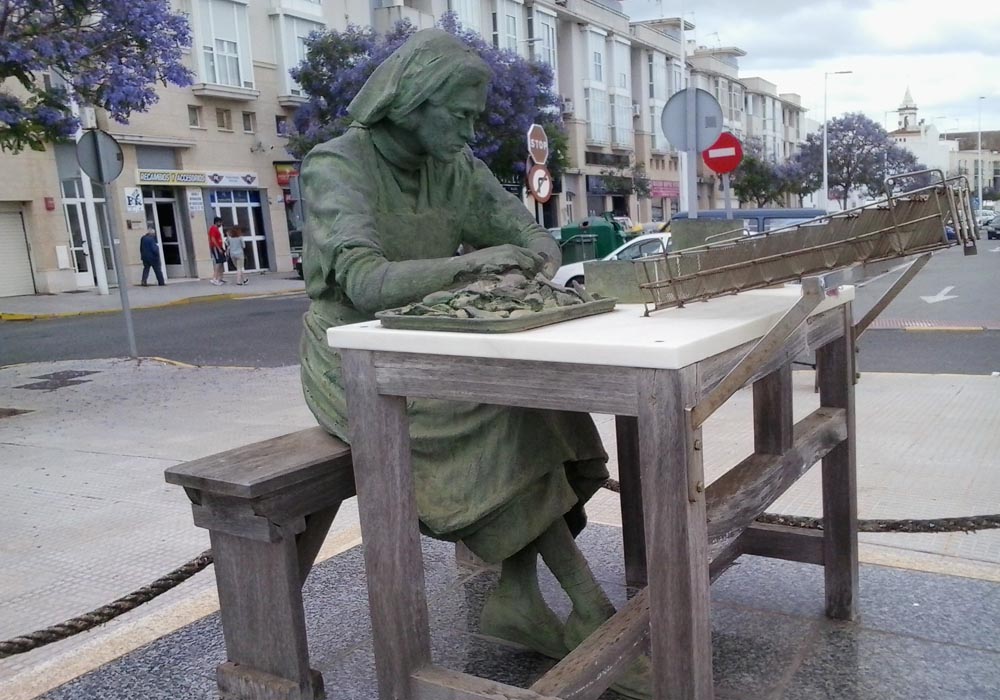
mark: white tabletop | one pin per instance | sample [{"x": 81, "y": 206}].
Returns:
[{"x": 667, "y": 339}]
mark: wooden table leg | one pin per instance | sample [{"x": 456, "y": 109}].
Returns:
[
  {"x": 633, "y": 536},
  {"x": 676, "y": 538},
  {"x": 380, "y": 447},
  {"x": 835, "y": 366}
]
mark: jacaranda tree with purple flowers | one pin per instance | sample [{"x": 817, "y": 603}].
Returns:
[
  {"x": 860, "y": 155},
  {"x": 339, "y": 63},
  {"x": 105, "y": 53}
]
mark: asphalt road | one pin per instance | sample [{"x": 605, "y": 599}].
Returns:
[
  {"x": 261, "y": 332},
  {"x": 264, "y": 332}
]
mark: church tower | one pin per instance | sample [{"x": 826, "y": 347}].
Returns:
[{"x": 907, "y": 112}]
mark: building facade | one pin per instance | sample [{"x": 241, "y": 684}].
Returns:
[{"x": 217, "y": 147}]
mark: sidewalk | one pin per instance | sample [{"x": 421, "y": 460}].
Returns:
[
  {"x": 183, "y": 291},
  {"x": 89, "y": 518}
]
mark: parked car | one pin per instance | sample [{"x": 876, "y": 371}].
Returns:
[
  {"x": 639, "y": 247},
  {"x": 984, "y": 216},
  {"x": 992, "y": 228}
]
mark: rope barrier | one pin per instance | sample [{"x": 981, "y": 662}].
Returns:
[
  {"x": 106, "y": 613},
  {"x": 970, "y": 523}
]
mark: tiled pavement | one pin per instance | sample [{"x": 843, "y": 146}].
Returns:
[
  {"x": 89, "y": 518},
  {"x": 919, "y": 637}
]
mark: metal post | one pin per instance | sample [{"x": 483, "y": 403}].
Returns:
[
  {"x": 824, "y": 204},
  {"x": 826, "y": 173},
  {"x": 979, "y": 160},
  {"x": 725, "y": 190},
  {"x": 692, "y": 152},
  {"x": 113, "y": 233}
]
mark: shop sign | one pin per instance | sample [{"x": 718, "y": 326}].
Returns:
[
  {"x": 211, "y": 178},
  {"x": 196, "y": 202},
  {"x": 220, "y": 179},
  {"x": 659, "y": 189},
  {"x": 171, "y": 177},
  {"x": 284, "y": 173},
  {"x": 133, "y": 199}
]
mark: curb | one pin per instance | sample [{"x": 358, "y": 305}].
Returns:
[{"x": 17, "y": 317}]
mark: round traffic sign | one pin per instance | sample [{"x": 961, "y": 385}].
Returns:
[
  {"x": 724, "y": 155},
  {"x": 708, "y": 119},
  {"x": 540, "y": 183},
  {"x": 100, "y": 156},
  {"x": 538, "y": 144}
]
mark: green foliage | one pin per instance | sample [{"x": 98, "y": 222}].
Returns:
[
  {"x": 631, "y": 180},
  {"x": 339, "y": 63}
]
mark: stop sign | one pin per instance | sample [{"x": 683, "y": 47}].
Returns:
[
  {"x": 538, "y": 144},
  {"x": 724, "y": 155}
]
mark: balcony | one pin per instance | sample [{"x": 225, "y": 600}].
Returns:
[
  {"x": 232, "y": 93},
  {"x": 385, "y": 18},
  {"x": 307, "y": 9}
]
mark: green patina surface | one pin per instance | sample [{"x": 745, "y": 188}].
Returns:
[{"x": 387, "y": 206}]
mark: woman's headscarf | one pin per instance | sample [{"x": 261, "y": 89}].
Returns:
[{"x": 411, "y": 74}]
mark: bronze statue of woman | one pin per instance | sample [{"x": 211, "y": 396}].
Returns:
[{"x": 387, "y": 204}]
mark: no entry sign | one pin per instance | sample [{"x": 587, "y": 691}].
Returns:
[{"x": 724, "y": 155}]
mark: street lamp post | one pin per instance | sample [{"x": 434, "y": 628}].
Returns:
[
  {"x": 979, "y": 157},
  {"x": 826, "y": 174}
]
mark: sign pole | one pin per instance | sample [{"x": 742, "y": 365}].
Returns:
[
  {"x": 725, "y": 190},
  {"x": 692, "y": 152},
  {"x": 116, "y": 255}
]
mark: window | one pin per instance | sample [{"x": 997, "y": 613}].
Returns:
[
  {"x": 597, "y": 119},
  {"x": 622, "y": 65},
  {"x": 468, "y": 13},
  {"x": 511, "y": 29},
  {"x": 224, "y": 119},
  {"x": 249, "y": 122},
  {"x": 546, "y": 48},
  {"x": 598, "y": 67},
  {"x": 652, "y": 72},
  {"x": 621, "y": 119},
  {"x": 194, "y": 116},
  {"x": 294, "y": 34},
  {"x": 225, "y": 43},
  {"x": 281, "y": 124}
]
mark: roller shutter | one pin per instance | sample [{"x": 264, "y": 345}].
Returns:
[{"x": 15, "y": 265}]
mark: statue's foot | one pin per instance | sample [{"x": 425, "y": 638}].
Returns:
[
  {"x": 580, "y": 625},
  {"x": 524, "y": 621}
]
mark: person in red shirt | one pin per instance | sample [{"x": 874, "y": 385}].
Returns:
[{"x": 218, "y": 248}]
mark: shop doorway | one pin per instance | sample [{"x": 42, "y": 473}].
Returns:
[
  {"x": 161, "y": 215},
  {"x": 82, "y": 238},
  {"x": 242, "y": 208}
]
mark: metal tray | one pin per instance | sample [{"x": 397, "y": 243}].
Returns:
[{"x": 391, "y": 319}]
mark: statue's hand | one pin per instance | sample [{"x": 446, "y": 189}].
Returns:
[{"x": 503, "y": 257}]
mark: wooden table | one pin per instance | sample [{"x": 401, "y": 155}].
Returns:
[{"x": 661, "y": 376}]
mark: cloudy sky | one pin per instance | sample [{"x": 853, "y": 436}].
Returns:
[{"x": 947, "y": 51}]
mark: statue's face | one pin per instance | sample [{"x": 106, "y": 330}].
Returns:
[{"x": 445, "y": 123}]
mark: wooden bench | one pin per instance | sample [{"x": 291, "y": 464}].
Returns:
[{"x": 268, "y": 507}]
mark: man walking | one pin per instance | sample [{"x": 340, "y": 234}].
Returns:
[
  {"x": 149, "y": 252},
  {"x": 218, "y": 248}
]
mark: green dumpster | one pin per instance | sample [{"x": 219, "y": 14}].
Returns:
[{"x": 604, "y": 235}]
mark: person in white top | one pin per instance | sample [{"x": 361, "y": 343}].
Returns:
[{"x": 234, "y": 247}]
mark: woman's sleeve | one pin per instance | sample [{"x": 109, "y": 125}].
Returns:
[
  {"x": 497, "y": 217},
  {"x": 341, "y": 235}
]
